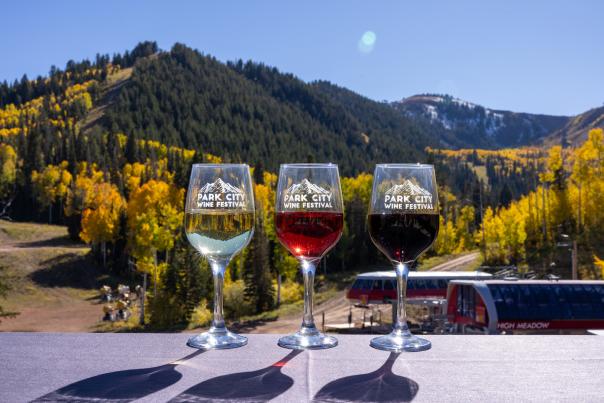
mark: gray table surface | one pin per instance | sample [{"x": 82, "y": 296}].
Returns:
[{"x": 159, "y": 367}]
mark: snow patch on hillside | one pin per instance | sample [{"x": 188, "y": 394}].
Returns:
[{"x": 431, "y": 109}]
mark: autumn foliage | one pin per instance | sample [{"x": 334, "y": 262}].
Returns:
[
  {"x": 568, "y": 201},
  {"x": 122, "y": 192}
]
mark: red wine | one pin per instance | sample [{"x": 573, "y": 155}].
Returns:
[
  {"x": 309, "y": 235},
  {"x": 402, "y": 237}
]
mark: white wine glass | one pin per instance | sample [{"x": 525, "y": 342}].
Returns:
[
  {"x": 219, "y": 223},
  {"x": 403, "y": 224}
]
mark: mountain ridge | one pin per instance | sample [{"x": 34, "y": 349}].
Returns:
[
  {"x": 255, "y": 113},
  {"x": 463, "y": 124},
  {"x": 246, "y": 111},
  {"x": 574, "y": 132}
]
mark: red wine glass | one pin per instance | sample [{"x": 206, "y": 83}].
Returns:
[
  {"x": 309, "y": 219},
  {"x": 403, "y": 224}
]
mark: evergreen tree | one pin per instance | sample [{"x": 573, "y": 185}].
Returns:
[
  {"x": 183, "y": 285},
  {"x": 256, "y": 272},
  {"x": 505, "y": 196},
  {"x": 132, "y": 151},
  {"x": 259, "y": 174}
]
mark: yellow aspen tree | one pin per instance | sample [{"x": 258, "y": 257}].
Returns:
[
  {"x": 491, "y": 225},
  {"x": 357, "y": 187},
  {"x": 101, "y": 216},
  {"x": 51, "y": 185},
  {"x": 446, "y": 240},
  {"x": 464, "y": 236},
  {"x": 8, "y": 169},
  {"x": 133, "y": 175},
  {"x": 155, "y": 216},
  {"x": 81, "y": 190},
  {"x": 599, "y": 264}
]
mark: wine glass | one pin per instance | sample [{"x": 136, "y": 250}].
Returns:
[
  {"x": 309, "y": 219},
  {"x": 403, "y": 224},
  {"x": 219, "y": 223}
]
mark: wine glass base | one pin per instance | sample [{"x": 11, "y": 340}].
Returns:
[
  {"x": 399, "y": 342},
  {"x": 217, "y": 340},
  {"x": 315, "y": 341}
]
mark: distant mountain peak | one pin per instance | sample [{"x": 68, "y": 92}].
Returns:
[
  {"x": 439, "y": 99},
  {"x": 460, "y": 123}
]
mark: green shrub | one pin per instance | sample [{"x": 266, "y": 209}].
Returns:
[
  {"x": 201, "y": 316},
  {"x": 235, "y": 304},
  {"x": 291, "y": 291}
]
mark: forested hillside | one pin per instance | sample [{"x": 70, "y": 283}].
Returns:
[
  {"x": 105, "y": 148},
  {"x": 504, "y": 175},
  {"x": 574, "y": 132},
  {"x": 538, "y": 228},
  {"x": 251, "y": 112}
]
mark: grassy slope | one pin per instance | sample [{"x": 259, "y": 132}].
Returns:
[{"x": 54, "y": 282}]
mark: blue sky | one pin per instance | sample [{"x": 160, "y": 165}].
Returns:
[{"x": 530, "y": 56}]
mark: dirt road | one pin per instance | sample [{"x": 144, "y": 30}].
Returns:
[
  {"x": 336, "y": 311},
  {"x": 457, "y": 263}
]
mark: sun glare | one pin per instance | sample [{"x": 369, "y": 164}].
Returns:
[{"x": 367, "y": 42}]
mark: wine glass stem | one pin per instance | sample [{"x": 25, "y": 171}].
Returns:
[
  {"x": 402, "y": 273},
  {"x": 218, "y": 268},
  {"x": 308, "y": 272}
]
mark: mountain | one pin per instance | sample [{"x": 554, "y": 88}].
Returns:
[
  {"x": 254, "y": 113},
  {"x": 101, "y": 111},
  {"x": 462, "y": 124},
  {"x": 575, "y": 130},
  {"x": 305, "y": 187},
  {"x": 219, "y": 186},
  {"x": 409, "y": 189}
]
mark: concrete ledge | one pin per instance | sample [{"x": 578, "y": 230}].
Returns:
[{"x": 159, "y": 367}]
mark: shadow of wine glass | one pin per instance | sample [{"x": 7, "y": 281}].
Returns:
[
  {"x": 119, "y": 386},
  {"x": 380, "y": 385},
  {"x": 254, "y": 386}
]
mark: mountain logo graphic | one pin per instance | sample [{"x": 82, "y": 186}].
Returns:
[
  {"x": 220, "y": 194},
  {"x": 408, "y": 188},
  {"x": 219, "y": 186},
  {"x": 305, "y": 187}
]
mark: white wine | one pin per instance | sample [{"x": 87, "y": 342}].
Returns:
[{"x": 218, "y": 235}]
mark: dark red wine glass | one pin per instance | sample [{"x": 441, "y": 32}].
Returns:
[{"x": 403, "y": 223}]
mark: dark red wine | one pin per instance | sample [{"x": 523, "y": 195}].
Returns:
[
  {"x": 403, "y": 237},
  {"x": 309, "y": 235}
]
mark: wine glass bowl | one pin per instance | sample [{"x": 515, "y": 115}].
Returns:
[
  {"x": 309, "y": 220},
  {"x": 309, "y": 235},
  {"x": 219, "y": 223},
  {"x": 403, "y": 223}
]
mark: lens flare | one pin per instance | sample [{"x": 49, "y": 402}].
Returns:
[{"x": 367, "y": 42}]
